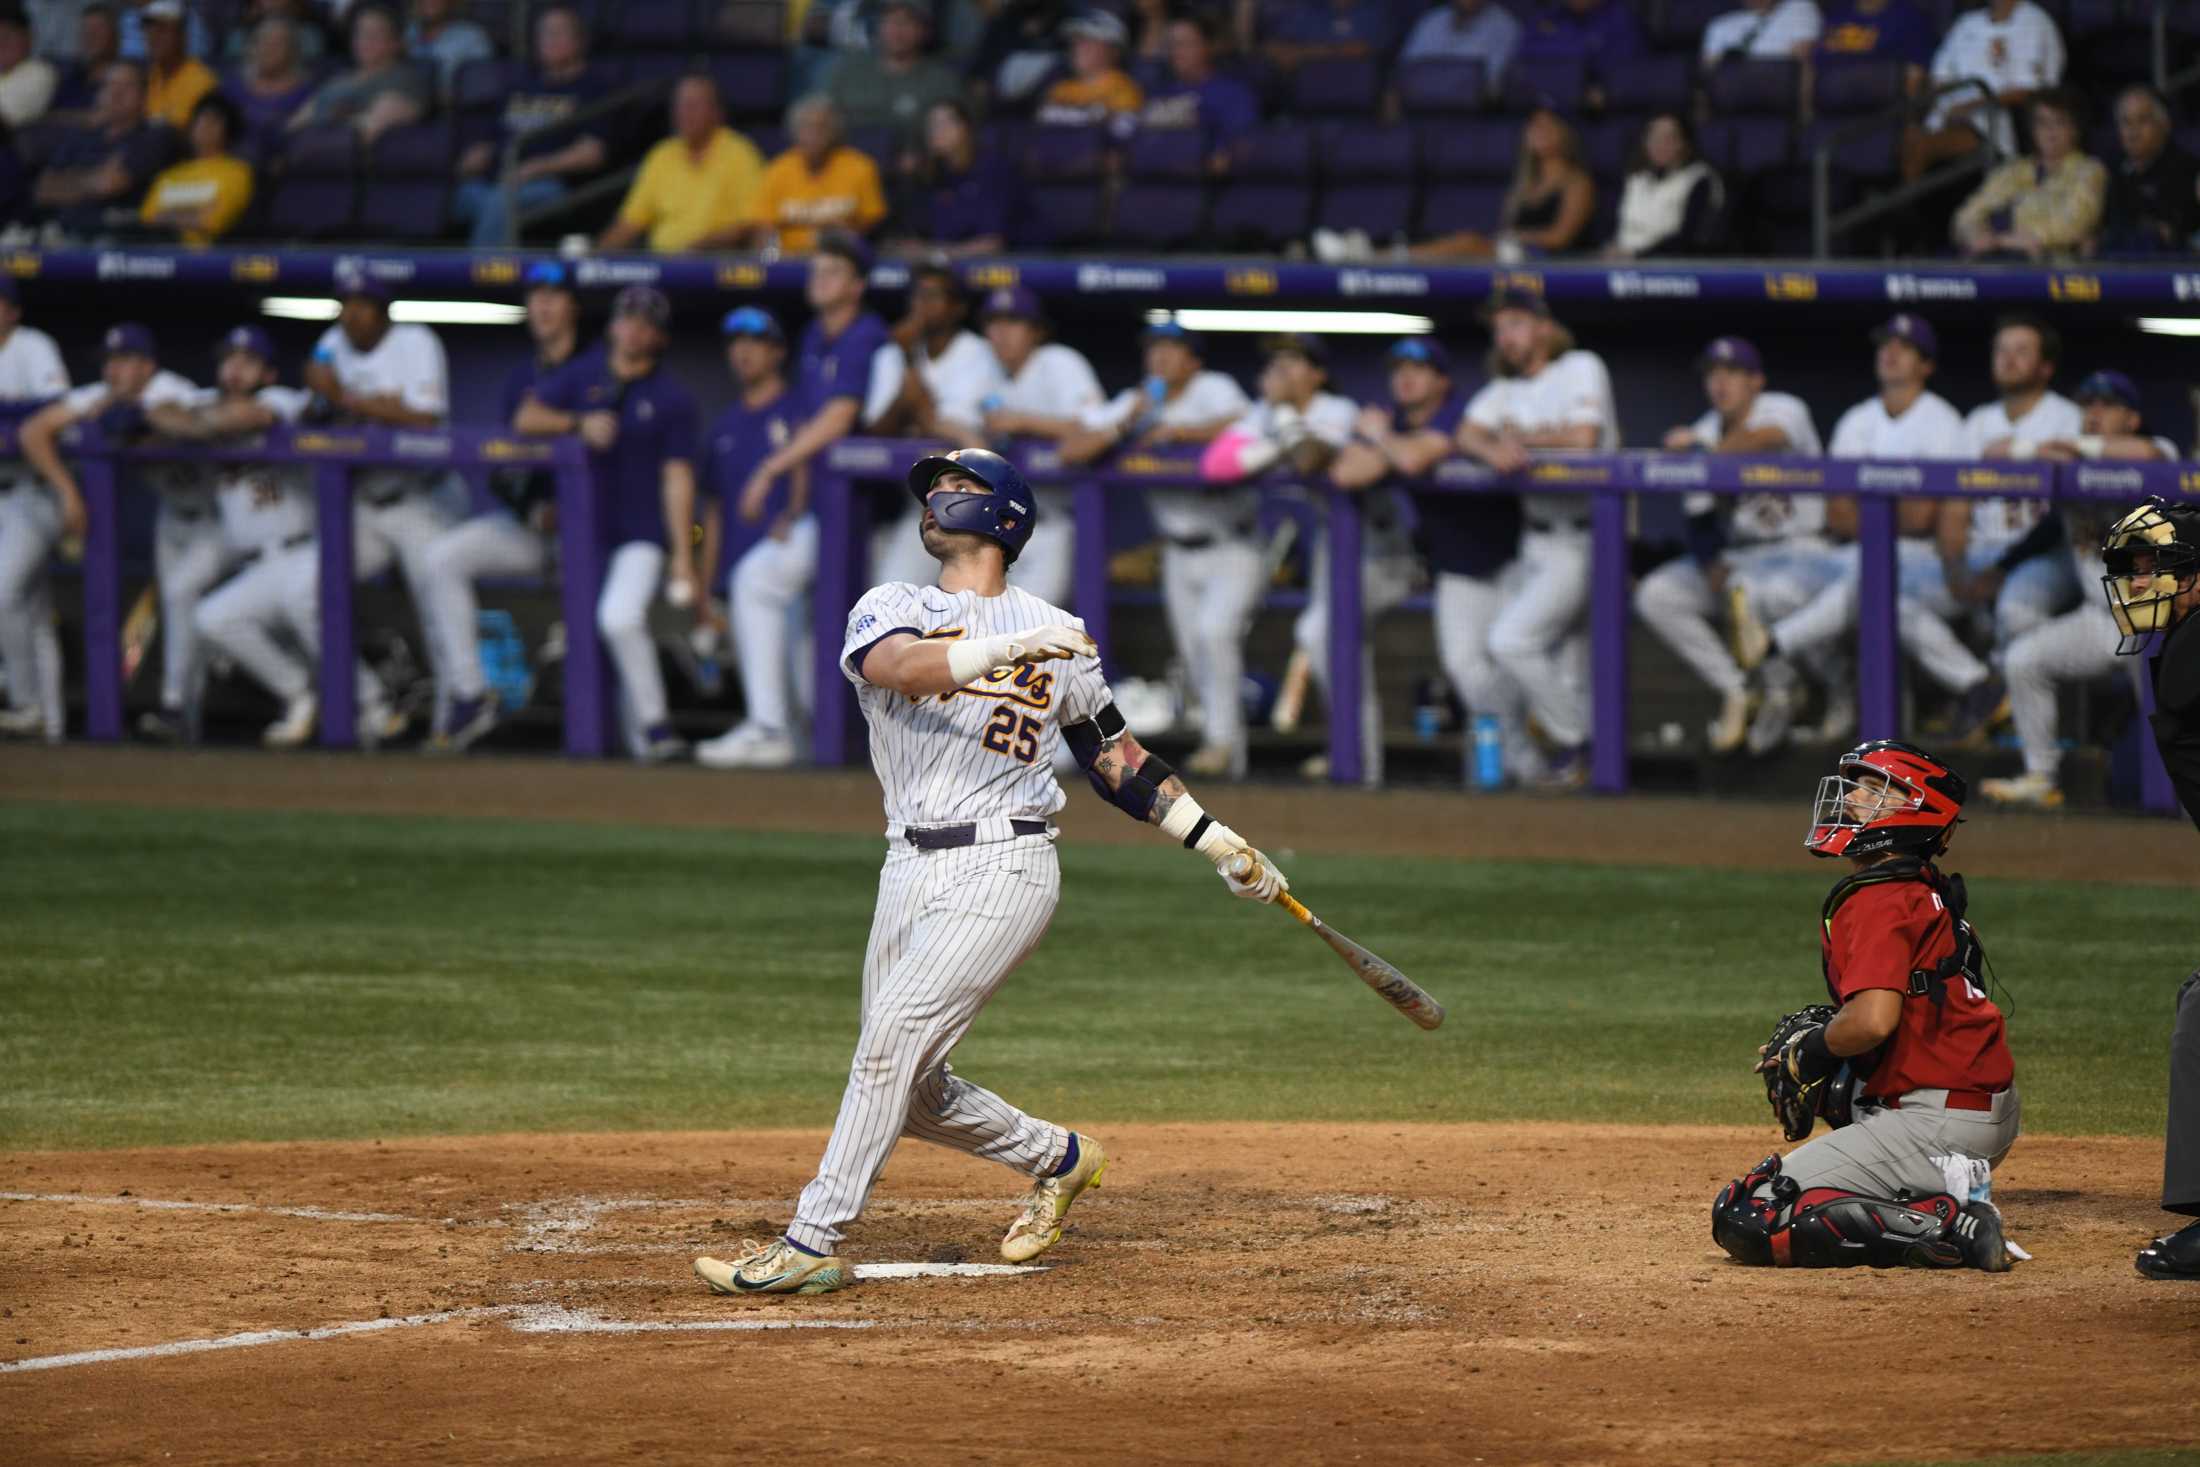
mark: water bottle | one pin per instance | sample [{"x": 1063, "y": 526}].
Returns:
[
  {"x": 1488, "y": 753},
  {"x": 1428, "y": 710}
]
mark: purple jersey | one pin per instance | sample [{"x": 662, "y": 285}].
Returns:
[
  {"x": 657, "y": 420},
  {"x": 1898, "y": 31},
  {"x": 1221, "y": 107},
  {"x": 966, "y": 206},
  {"x": 742, "y": 438},
  {"x": 1461, "y": 534},
  {"x": 1320, "y": 23},
  {"x": 839, "y": 366},
  {"x": 1603, "y": 37}
]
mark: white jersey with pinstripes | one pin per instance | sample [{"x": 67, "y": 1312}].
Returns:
[{"x": 981, "y": 752}]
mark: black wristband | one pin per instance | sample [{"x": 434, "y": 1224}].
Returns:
[
  {"x": 1811, "y": 1048},
  {"x": 1191, "y": 841}
]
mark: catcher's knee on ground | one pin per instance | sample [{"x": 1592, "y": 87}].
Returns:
[{"x": 1765, "y": 1218}]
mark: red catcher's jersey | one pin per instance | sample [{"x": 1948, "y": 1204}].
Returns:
[{"x": 1880, "y": 935}]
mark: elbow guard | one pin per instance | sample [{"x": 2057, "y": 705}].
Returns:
[{"x": 1140, "y": 786}]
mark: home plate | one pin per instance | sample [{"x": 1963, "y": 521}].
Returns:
[{"x": 944, "y": 1270}]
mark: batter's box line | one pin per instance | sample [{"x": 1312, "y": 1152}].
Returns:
[
  {"x": 556, "y": 1225},
  {"x": 160, "y": 1204}
]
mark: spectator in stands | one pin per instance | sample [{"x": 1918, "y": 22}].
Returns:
[
  {"x": 1603, "y": 34},
  {"x": 1020, "y": 51},
  {"x": 1548, "y": 207},
  {"x": 1674, "y": 202},
  {"x": 131, "y": 16},
  {"x": 557, "y": 86},
  {"x": 98, "y": 42},
  {"x": 965, "y": 194},
  {"x": 817, "y": 185},
  {"x": 1098, "y": 89},
  {"x": 105, "y": 165},
  {"x": 699, "y": 188},
  {"x": 1211, "y": 565},
  {"x": 443, "y": 40},
  {"x": 2153, "y": 205},
  {"x": 27, "y": 82},
  {"x": 1197, "y": 96},
  {"x": 1048, "y": 390},
  {"x": 894, "y": 84},
  {"x": 2044, "y": 206},
  {"x": 271, "y": 86},
  {"x": 2013, "y": 48},
  {"x": 1762, "y": 30},
  {"x": 382, "y": 90},
  {"x": 1876, "y": 30},
  {"x": 54, "y": 23},
  {"x": 202, "y": 198},
  {"x": 1323, "y": 30},
  {"x": 306, "y": 21},
  {"x": 174, "y": 79},
  {"x": 1467, "y": 30},
  {"x": 1545, "y": 395}
]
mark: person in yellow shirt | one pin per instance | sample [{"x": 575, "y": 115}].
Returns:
[
  {"x": 174, "y": 80},
  {"x": 819, "y": 184},
  {"x": 697, "y": 189},
  {"x": 1097, "y": 89},
  {"x": 202, "y": 199}
]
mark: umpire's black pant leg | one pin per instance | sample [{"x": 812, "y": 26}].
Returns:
[{"x": 2181, "y": 1154}]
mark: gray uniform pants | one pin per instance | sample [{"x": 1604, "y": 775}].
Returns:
[
  {"x": 1886, "y": 1150},
  {"x": 2181, "y": 1157}
]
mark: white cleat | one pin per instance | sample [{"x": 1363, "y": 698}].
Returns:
[
  {"x": 1039, "y": 1226},
  {"x": 2038, "y": 791},
  {"x": 1730, "y": 730},
  {"x": 1775, "y": 709},
  {"x": 295, "y": 727},
  {"x": 22, "y": 723},
  {"x": 747, "y": 747}
]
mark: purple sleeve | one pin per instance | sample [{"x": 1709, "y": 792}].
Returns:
[
  {"x": 1230, "y": 110},
  {"x": 563, "y": 388},
  {"x": 676, "y": 439},
  {"x": 1447, "y": 417},
  {"x": 516, "y": 387},
  {"x": 852, "y": 357},
  {"x": 1618, "y": 35}
]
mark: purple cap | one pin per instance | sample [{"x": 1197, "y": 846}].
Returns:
[
  {"x": 2108, "y": 385},
  {"x": 1730, "y": 351},
  {"x": 128, "y": 340},
  {"x": 1508, "y": 299},
  {"x": 1299, "y": 344},
  {"x": 1426, "y": 350},
  {"x": 645, "y": 301},
  {"x": 251, "y": 339},
  {"x": 1915, "y": 330},
  {"x": 849, "y": 246},
  {"x": 353, "y": 281},
  {"x": 1013, "y": 303}
]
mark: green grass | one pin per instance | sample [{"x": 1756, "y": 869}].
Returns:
[{"x": 172, "y": 977}]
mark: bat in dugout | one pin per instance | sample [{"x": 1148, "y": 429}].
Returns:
[{"x": 1399, "y": 991}]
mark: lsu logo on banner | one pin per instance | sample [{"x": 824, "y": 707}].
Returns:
[
  {"x": 1783, "y": 476},
  {"x": 506, "y": 450},
  {"x": 1251, "y": 282},
  {"x": 22, "y": 264},
  {"x": 1791, "y": 287},
  {"x": 741, "y": 277},
  {"x": 327, "y": 443},
  {"x": 1997, "y": 481},
  {"x": 993, "y": 277},
  {"x": 256, "y": 269},
  {"x": 2074, "y": 287},
  {"x": 496, "y": 272}
]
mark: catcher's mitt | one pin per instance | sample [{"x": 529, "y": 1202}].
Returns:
[{"x": 1798, "y": 1102}]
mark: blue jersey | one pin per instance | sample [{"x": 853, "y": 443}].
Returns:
[
  {"x": 839, "y": 366},
  {"x": 657, "y": 423},
  {"x": 1461, "y": 534}
]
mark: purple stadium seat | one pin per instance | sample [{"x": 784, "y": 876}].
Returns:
[
  {"x": 1761, "y": 144},
  {"x": 882, "y": 145},
  {"x": 1870, "y": 156},
  {"x": 1715, "y": 141},
  {"x": 1352, "y": 152},
  {"x": 480, "y": 86},
  {"x": 1167, "y": 154},
  {"x": 1608, "y": 141},
  {"x": 1383, "y": 210},
  {"x": 1853, "y": 88},
  {"x": 1439, "y": 87},
  {"x": 1063, "y": 214},
  {"x": 769, "y": 139},
  {"x": 407, "y": 189},
  {"x": 1062, "y": 154},
  {"x": 1453, "y": 207},
  {"x": 1651, "y": 84},
  {"x": 1259, "y": 214},
  {"x": 317, "y": 194},
  {"x": 1471, "y": 149},
  {"x": 1277, "y": 153},
  {"x": 652, "y": 25},
  {"x": 754, "y": 83},
  {"x": 1755, "y": 88},
  {"x": 1336, "y": 87},
  {"x": 1679, "y": 24},
  {"x": 1159, "y": 215},
  {"x": 644, "y": 66},
  {"x": 1554, "y": 82},
  {"x": 757, "y": 25},
  {"x": 2088, "y": 17}
]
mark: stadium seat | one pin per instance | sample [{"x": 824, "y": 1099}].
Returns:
[
  {"x": 1440, "y": 87},
  {"x": 1367, "y": 176},
  {"x": 1754, "y": 88},
  {"x": 1481, "y": 148},
  {"x": 652, "y": 25},
  {"x": 1344, "y": 86},
  {"x": 1869, "y": 156},
  {"x": 316, "y": 196},
  {"x": 1268, "y": 199},
  {"x": 1855, "y": 88},
  {"x": 1556, "y": 82},
  {"x": 1059, "y": 215},
  {"x": 1153, "y": 214},
  {"x": 1678, "y": 25},
  {"x": 1449, "y": 208},
  {"x": 408, "y": 182},
  {"x": 1167, "y": 154},
  {"x": 759, "y": 25},
  {"x": 1651, "y": 84},
  {"x": 662, "y": 66},
  {"x": 1061, "y": 154},
  {"x": 754, "y": 83},
  {"x": 882, "y": 145},
  {"x": 1609, "y": 141}
]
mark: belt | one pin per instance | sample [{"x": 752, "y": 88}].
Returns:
[
  {"x": 954, "y": 837},
  {"x": 1957, "y": 1100},
  {"x": 288, "y": 542}
]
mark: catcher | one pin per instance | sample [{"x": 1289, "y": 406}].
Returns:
[{"x": 1909, "y": 1065}]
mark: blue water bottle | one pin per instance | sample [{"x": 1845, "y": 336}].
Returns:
[{"x": 1487, "y": 758}]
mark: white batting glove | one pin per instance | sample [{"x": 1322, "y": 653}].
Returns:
[
  {"x": 971, "y": 659},
  {"x": 1267, "y": 884}
]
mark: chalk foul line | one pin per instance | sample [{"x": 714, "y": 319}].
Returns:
[
  {"x": 317, "y": 1214},
  {"x": 250, "y": 1338}
]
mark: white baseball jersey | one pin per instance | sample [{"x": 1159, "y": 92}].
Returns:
[
  {"x": 1056, "y": 382},
  {"x": 1770, "y": 35},
  {"x": 2024, "y": 52},
  {"x": 1329, "y": 419},
  {"x": 408, "y": 362},
  {"x": 961, "y": 378},
  {"x": 31, "y": 369},
  {"x": 184, "y": 487},
  {"x": 1571, "y": 391},
  {"x": 1209, "y": 397},
  {"x": 1999, "y": 523},
  {"x": 1929, "y": 428},
  {"x": 1761, "y": 518},
  {"x": 265, "y": 507},
  {"x": 980, "y": 752}
]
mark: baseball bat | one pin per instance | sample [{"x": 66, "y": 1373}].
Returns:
[
  {"x": 1291, "y": 697},
  {"x": 1397, "y": 990},
  {"x": 138, "y": 629}
]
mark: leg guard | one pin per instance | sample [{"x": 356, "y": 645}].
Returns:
[{"x": 1789, "y": 1227}]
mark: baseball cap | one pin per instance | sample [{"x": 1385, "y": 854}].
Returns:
[
  {"x": 2108, "y": 385},
  {"x": 128, "y": 339},
  {"x": 849, "y": 247},
  {"x": 1730, "y": 351},
  {"x": 1915, "y": 330},
  {"x": 1171, "y": 331},
  {"x": 1297, "y": 343},
  {"x": 548, "y": 275},
  {"x": 1426, "y": 350},
  {"x": 248, "y": 338},
  {"x": 1097, "y": 25},
  {"x": 751, "y": 321},
  {"x": 645, "y": 301},
  {"x": 162, "y": 10},
  {"x": 1516, "y": 300},
  {"x": 1013, "y": 303},
  {"x": 354, "y": 281}
]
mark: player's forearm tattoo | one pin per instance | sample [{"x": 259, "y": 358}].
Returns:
[{"x": 1172, "y": 790}]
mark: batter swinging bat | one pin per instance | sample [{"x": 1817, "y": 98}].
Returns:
[{"x": 1399, "y": 991}]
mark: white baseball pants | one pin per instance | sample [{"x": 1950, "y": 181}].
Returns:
[
  {"x": 1924, "y": 606},
  {"x": 630, "y": 586},
  {"x": 402, "y": 531},
  {"x": 1675, "y": 601},
  {"x": 949, "y": 928},
  {"x": 267, "y": 618},
  {"x": 189, "y": 556},
  {"x": 765, "y": 592},
  {"x": 1539, "y": 637},
  {"x": 2077, "y": 646},
  {"x": 30, "y": 527},
  {"x": 1210, "y": 593},
  {"x": 1466, "y": 608},
  {"x": 486, "y": 545},
  {"x": 1386, "y": 579}
]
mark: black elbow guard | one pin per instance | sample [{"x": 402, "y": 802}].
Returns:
[
  {"x": 1139, "y": 789},
  {"x": 1088, "y": 737}
]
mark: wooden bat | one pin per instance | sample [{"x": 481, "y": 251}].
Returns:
[
  {"x": 138, "y": 629},
  {"x": 1291, "y": 697},
  {"x": 1399, "y": 991}
]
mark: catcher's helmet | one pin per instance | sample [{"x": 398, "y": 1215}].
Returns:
[
  {"x": 2148, "y": 554},
  {"x": 1887, "y": 796},
  {"x": 1004, "y": 515}
]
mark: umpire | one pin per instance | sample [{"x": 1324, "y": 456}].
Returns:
[{"x": 2152, "y": 560}]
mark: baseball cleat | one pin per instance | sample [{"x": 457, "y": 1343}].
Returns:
[
  {"x": 468, "y": 720},
  {"x": 777, "y": 1267},
  {"x": 379, "y": 725},
  {"x": 1776, "y": 708},
  {"x": 1039, "y": 1226},
  {"x": 22, "y": 723},
  {"x": 1730, "y": 729},
  {"x": 296, "y": 725},
  {"x": 1216, "y": 761},
  {"x": 1978, "y": 1233},
  {"x": 2037, "y": 790},
  {"x": 660, "y": 745},
  {"x": 163, "y": 726},
  {"x": 1314, "y": 767},
  {"x": 1746, "y": 636},
  {"x": 746, "y": 747},
  {"x": 1985, "y": 708},
  {"x": 2174, "y": 1257}
]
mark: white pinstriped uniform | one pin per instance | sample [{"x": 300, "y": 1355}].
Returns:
[{"x": 951, "y": 925}]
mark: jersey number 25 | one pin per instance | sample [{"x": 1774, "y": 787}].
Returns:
[{"x": 1012, "y": 733}]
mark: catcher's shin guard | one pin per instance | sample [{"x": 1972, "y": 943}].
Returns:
[{"x": 1823, "y": 1227}]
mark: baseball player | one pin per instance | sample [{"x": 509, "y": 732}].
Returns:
[
  {"x": 31, "y": 374},
  {"x": 2151, "y": 560},
  {"x": 1933, "y": 1104},
  {"x": 847, "y": 376},
  {"x": 951, "y": 373},
  {"x": 1905, "y": 419},
  {"x": 1047, "y": 392},
  {"x": 967, "y": 687},
  {"x": 762, "y": 418},
  {"x": 1768, "y": 551},
  {"x": 367, "y": 369},
  {"x": 266, "y": 618},
  {"x": 512, "y": 540},
  {"x": 640, "y": 426},
  {"x": 187, "y": 553},
  {"x": 2079, "y": 645},
  {"x": 1212, "y": 568},
  {"x": 1471, "y": 541},
  {"x": 1545, "y": 395}
]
